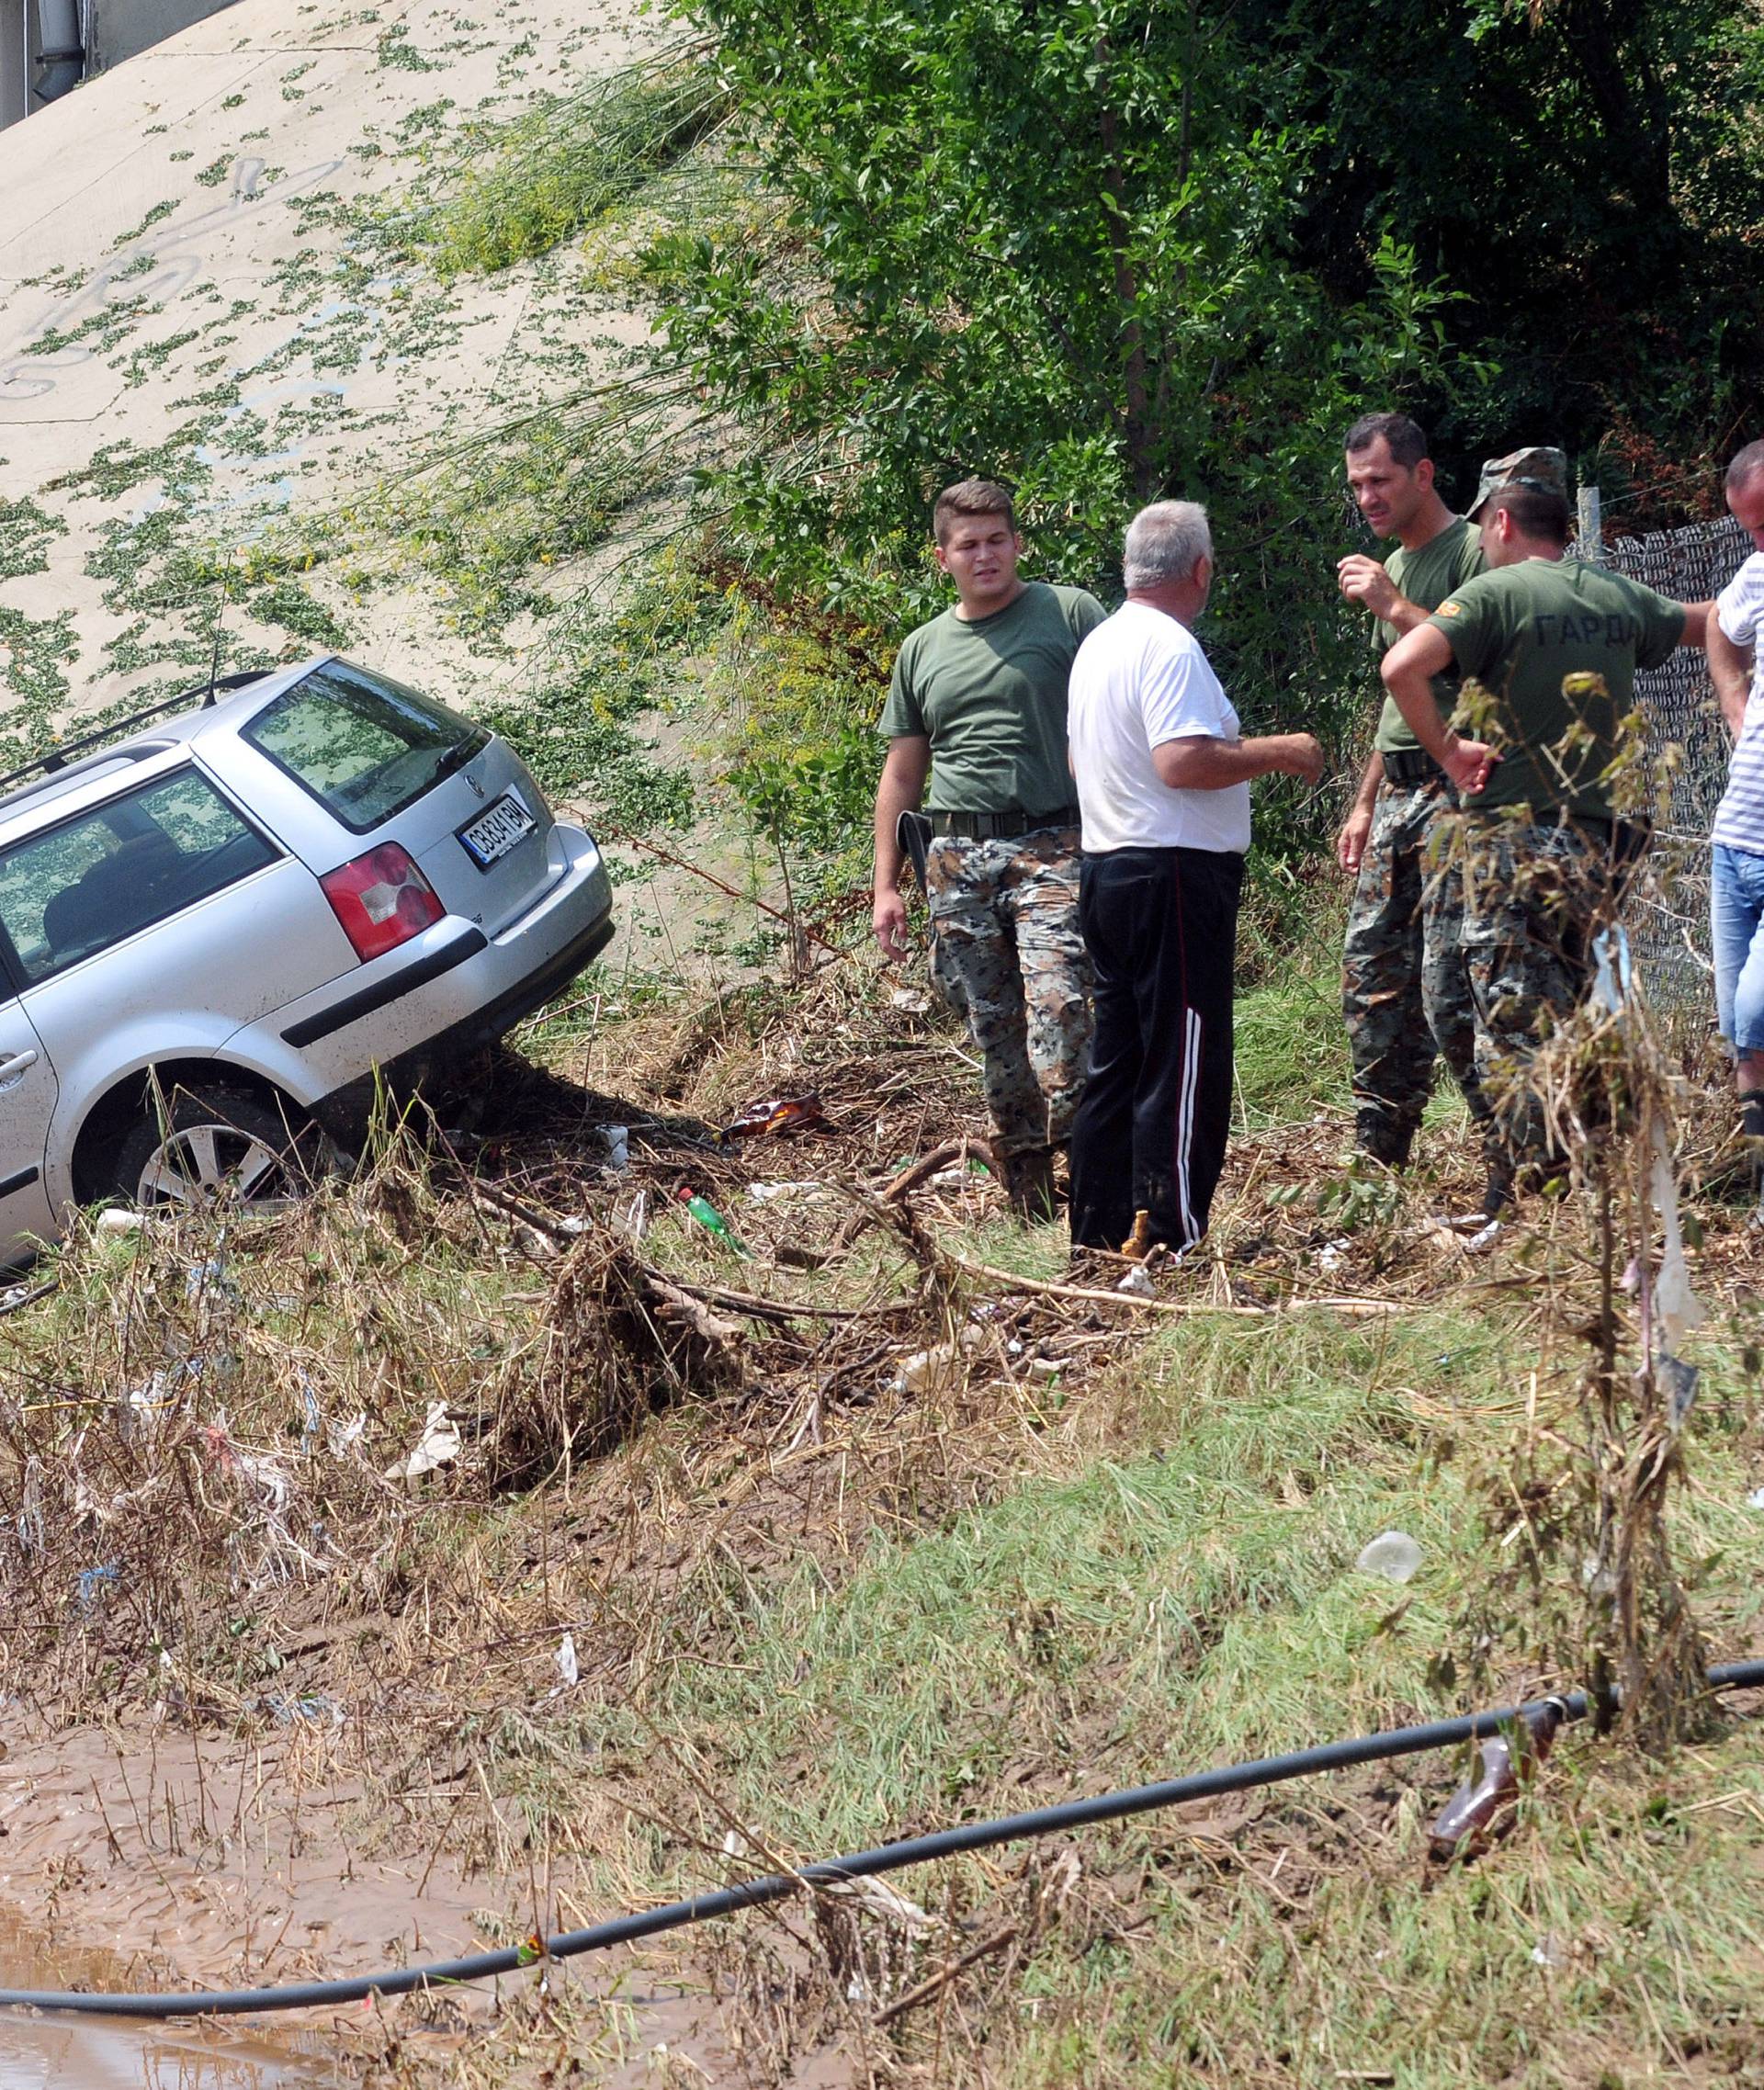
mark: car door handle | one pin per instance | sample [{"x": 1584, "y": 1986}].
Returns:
[{"x": 14, "y": 1065}]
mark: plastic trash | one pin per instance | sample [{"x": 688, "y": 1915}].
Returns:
[
  {"x": 769, "y": 1194},
  {"x": 120, "y": 1219},
  {"x": 1612, "y": 989},
  {"x": 779, "y": 1113},
  {"x": 312, "y": 1415},
  {"x": 1677, "y": 1304},
  {"x": 1481, "y": 1807},
  {"x": 437, "y": 1446},
  {"x": 203, "y": 1279},
  {"x": 342, "y": 1438},
  {"x": 929, "y": 1367},
  {"x": 1393, "y": 1555},
  {"x": 709, "y": 1218},
  {"x": 619, "y": 1146},
  {"x": 566, "y": 1661},
  {"x": 1755, "y": 1501},
  {"x": 1137, "y": 1284},
  {"x": 1677, "y": 1381},
  {"x": 317, "y": 1709}
]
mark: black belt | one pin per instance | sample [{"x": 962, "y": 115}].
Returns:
[
  {"x": 996, "y": 827},
  {"x": 1410, "y": 766}
]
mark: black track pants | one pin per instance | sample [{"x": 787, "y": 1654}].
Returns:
[{"x": 1161, "y": 927}]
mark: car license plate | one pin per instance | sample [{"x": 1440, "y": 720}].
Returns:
[{"x": 496, "y": 831}]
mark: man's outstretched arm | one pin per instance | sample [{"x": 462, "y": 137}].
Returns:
[{"x": 1199, "y": 763}]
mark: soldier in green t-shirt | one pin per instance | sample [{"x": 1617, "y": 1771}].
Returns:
[
  {"x": 1555, "y": 642},
  {"x": 978, "y": 703},
  {"x": 1404, "y": 992}
]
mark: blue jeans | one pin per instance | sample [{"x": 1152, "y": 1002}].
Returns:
[{"x": 1736, "y": 923}]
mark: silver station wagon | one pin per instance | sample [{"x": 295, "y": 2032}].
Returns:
[{"x": 220, "y": 934}]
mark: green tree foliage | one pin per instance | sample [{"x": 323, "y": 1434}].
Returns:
[
  {"x": 1585, "y": 175},
  {"x": 1054, "y": 242}
]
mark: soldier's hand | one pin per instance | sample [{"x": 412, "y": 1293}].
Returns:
[
  {"x": 1469, "y": 763},
  {"x": 1302, "y": 755},
  {"x": 889, "y": 921},
  {"x": 1351, "y": 843},
  {"x": 1365, "y": 581}
]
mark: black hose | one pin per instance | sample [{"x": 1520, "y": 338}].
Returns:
[{"x": 866, "y": 1864}]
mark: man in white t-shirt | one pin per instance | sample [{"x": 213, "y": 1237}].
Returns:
[
  {"x": 1736, "y": 864},
  {"x": 1164, "y": 783}
]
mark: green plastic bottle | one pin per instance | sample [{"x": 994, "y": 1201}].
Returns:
[{"x": 711, "y": 1220}]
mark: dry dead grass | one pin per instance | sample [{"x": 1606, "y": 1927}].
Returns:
[{"x": 657, "y": 1434}]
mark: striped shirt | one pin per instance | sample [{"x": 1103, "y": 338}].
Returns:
[{"x": 1739, "y": 819}]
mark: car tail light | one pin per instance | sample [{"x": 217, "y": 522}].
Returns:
[{"x": 381, "y": 900}]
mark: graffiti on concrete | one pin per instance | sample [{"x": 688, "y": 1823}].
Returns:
[{"x": 179, "y": 257}]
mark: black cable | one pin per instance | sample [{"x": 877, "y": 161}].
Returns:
[{"x": 864, "y": 1865}]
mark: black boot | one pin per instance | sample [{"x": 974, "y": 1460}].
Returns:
[
  {"x": 1751, "y": 1138},
  {"x": 1385, "y": 1142},
  {"x": 1497, "y": 1191},
  {"x": 1029, "y": 1185}
]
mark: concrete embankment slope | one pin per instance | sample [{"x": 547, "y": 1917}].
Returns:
[{"x": 196, "y": 342}]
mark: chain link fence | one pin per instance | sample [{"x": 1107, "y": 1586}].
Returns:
[{"x": 1671, "y": 908}]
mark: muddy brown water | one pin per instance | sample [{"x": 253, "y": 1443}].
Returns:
[{"x": 56, "y": 2051}]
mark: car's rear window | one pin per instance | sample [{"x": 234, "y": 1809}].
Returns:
[
  {"x": 363, "y": 745},
  {"x": 129, "y": 862}
]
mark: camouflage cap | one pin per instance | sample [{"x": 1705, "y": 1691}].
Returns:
[{"x": 1547, "y": 469}]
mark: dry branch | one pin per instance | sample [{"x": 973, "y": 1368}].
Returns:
[
  {"x": 1330, "y": 1302},
  {"x": 934, "y": 1984}
]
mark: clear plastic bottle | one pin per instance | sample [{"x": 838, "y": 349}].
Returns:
[{"x": 1481, "y": 1807}]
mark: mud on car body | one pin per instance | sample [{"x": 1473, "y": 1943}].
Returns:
[{"x": 219, "y": 933}]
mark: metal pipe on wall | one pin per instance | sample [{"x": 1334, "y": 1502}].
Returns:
[{"x": 60, "y": 50}]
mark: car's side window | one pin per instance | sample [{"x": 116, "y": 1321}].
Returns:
[{"x": 121, "y": 867}]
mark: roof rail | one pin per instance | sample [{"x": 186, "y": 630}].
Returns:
[{"x": 63, "y": 752}]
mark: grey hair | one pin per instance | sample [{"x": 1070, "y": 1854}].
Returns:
[
  {"x": 1165, "y": 542},
  {"x": 1747, "y": 466}
]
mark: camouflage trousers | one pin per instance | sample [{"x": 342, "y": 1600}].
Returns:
[
  {"x": 1406, "y": 989},
  {"x": 1005, "y": 914},
  {"x": 1534, "y": 897}
]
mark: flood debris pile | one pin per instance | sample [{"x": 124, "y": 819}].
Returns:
[
  {"x": 223, "y": 1438},
  {"x": 453, "y": 1498}
]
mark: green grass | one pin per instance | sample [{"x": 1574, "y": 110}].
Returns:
[
  {"x": 1185, "y": 1595},
  {"x": 1196, "y": 1582},
  {"x": 1292, "y": 1055},
  {"x": 561, "y": 168}
]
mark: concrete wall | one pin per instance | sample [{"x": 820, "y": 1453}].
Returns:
[
  {"x": 12, "y": 73},
  {"x": 112, "y": 30},
  {"x": 118, "y": 29}
]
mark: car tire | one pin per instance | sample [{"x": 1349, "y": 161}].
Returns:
[{"x": 216, "y": 1142}]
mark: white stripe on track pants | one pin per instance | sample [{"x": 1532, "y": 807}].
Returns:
[{"x": 1160, "y": 926}]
